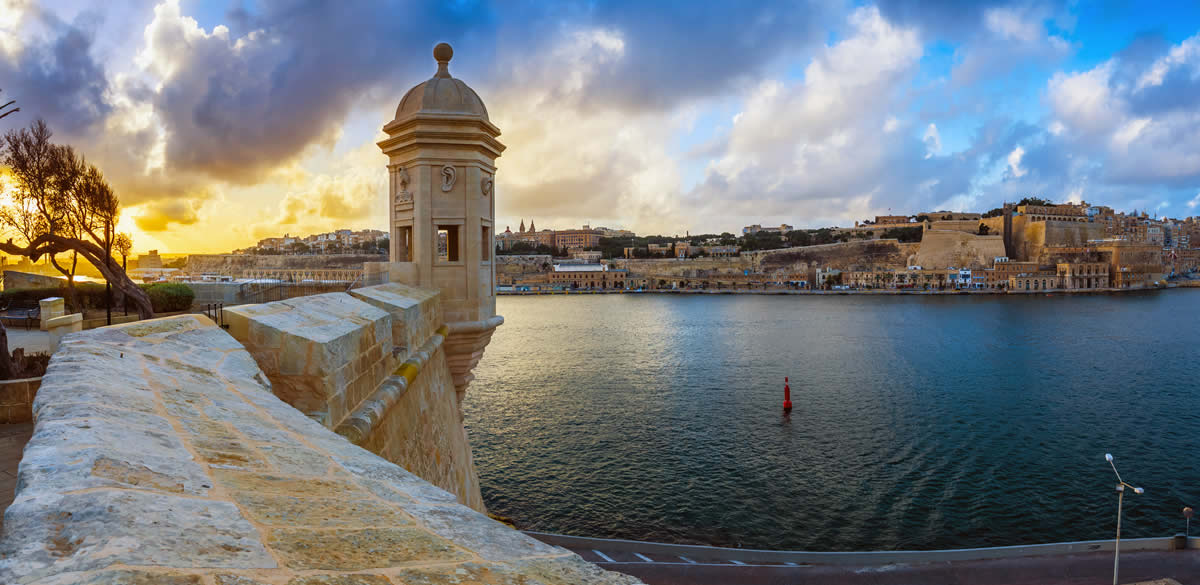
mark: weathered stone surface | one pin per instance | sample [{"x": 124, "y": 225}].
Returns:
[
  {"x": 354, "y": 550},
  {"x": 53, "y": 533},
  {"x": 323, "y": 353},
  {"x": 569, "y": 570},
  {"x": 488, "y": 538},
  {"x": 286, "y": 510},
  {"x": 125, "y": 577},
  {"x": 416, "y": 312},
  {"x": 341, "y": 580},
  {"x": 159, "y": 461}
]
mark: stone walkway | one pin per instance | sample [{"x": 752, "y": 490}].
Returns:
[
  {"x": 162, "y": 456},
  {"x": 12, "y": 443},
  {"x": 31, "y": 340}
]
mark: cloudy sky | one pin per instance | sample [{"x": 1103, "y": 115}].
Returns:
[{"x": 224, "y": 122}]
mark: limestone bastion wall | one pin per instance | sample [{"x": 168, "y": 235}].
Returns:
[
  {"x": 369, "y": 365},
  {"x": 234, "y": 264},
  {"x": 852, "y": 255},
  {"x": 957, "y": 249},
  {"x": 161, "y": 455}
]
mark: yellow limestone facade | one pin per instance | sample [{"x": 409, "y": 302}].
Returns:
[{"x": 441, "y": 150}]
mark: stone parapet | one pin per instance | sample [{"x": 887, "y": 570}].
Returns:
[
  {"x": 371, "y": 364},
  {"x": 416, "y": 312},
  {"x": 60, "y": 326},
  {"x": 160, "y": 455},
  {"x": 324, "y": 354},
  {"x": 50, "y": 308},
  {"x": 369, "y": 415}
]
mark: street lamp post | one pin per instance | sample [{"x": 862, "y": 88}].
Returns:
[{"x": 1121, "y": 485}]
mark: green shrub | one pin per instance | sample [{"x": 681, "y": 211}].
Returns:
[
  {"x": 168, "y": 297},
  {"x": 91, "y": 296}
]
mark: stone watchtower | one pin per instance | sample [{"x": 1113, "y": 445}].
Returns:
[{"x": 442, "y": 152}]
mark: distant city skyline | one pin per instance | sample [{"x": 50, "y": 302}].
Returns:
[{"x": 224, "y": 123}]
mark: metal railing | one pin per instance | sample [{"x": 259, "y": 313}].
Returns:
[{"x": 216, "y": 313}]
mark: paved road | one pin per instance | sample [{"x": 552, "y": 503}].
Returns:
[{"x": 1075, "y": 569}]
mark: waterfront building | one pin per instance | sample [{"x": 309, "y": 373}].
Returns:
[
  {"x": 1083, "y": 275},
  {"x": 997, "y": 277},
  {"x": 587, "y": 276},
  {"x": 1037, "y": 281}
]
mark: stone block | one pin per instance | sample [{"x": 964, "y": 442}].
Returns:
[
  {"x": 355, "y": 550},
  {"x": 60, "y": 326},
  {"x": 51, "y": 308},
  {"x": 311, "y": 348}
]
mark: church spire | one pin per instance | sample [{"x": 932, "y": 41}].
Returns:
[
  {"x": 522, "y": 227},
  {"x": 531, "y": 228}
]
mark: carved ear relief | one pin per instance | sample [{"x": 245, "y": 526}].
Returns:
[
  {"x": 485, "y": 185},
  {"x": 448, "y": 176}
]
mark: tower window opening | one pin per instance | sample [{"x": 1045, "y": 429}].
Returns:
[{"x": 447, "y": 243}]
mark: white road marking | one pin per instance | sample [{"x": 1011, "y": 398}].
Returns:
[
  {"x": 736, "y": 562},
  {"x": 603, "y": 556},
  {"x": 643, "y": 557},
  {"x": 687, "y": 559},
  {"x": 790, "y": 564}
]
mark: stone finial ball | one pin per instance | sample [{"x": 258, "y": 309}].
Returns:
[{"x": 443, "y": 52}]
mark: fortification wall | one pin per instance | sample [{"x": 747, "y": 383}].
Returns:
[
  {"x": 690, "y": 268},
  {"x": 969, "y": 226},
  {"x": 14, "y": 280},
  {"x": 516, "y": 265},
  {"x": 369, "y": 365},
  {"x": 950, "y": 248},
  {"x": 234, "y": 264},
  {"x": 1029, "y": 238},
  {"x": 160, "y": 455},
  {"x": 853, "y": 255}
]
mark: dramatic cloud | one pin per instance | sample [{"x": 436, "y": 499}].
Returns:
[
  {"x": 1140, "y": 126},
  {"x": 813, "y": 149},
  {"x": 220, "y": 127}
]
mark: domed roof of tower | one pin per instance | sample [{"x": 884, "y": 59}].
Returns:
[{"x": 442, "y": 94}]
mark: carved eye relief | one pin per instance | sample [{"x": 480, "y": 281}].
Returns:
[{"x": 448, "y": 176}]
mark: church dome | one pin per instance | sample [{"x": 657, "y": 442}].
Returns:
[{"x": 442, "y": 94}]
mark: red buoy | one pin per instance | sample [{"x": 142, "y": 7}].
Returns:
[{"x": 787, "y": 396}]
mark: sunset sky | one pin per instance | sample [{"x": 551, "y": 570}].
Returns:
[{"x": 220, "y": 123}]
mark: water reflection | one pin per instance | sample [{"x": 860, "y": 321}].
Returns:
[{"x": 918, "y": 422}]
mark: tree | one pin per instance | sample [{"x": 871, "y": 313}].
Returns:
[
  {"x": 3, "y": 113},
  {"x": 997, "y": 212},
  {"x": 984, "y": 229},
  {"x": 1035, "y": 201},
  {"x": 123, "y": 245},
  {"x": 61, "y": 204}
]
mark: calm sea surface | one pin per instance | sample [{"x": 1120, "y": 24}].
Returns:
[{"x": 919, "y": 422}]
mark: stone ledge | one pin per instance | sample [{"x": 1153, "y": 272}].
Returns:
[{"x": 160, "y": 455}]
